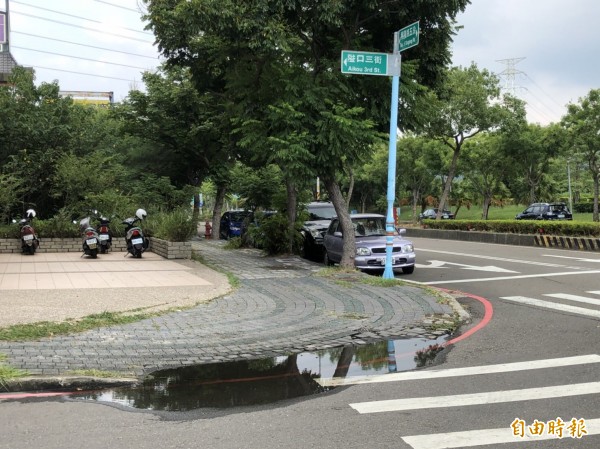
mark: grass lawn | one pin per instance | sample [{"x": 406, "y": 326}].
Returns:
[{"x": 495, "y": 213}]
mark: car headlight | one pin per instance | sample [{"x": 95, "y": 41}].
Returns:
[
  {"x": 362, "y": 251},
  {"x": 408, "y": 248},
  {"x": 316, "y": 233}
]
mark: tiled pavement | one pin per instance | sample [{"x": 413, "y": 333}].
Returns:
[{"x": 280, "y": 307}]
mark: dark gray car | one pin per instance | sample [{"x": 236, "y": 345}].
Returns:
[
  {"x": 370, "y": 235},
  {"x": 320, "y": 214}
]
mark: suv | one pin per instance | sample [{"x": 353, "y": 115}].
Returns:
[
  {"x": 546, "y": 211},
  {"x": 320, "y": 215}
]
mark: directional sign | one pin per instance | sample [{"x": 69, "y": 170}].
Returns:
[
  {"x": 368, "y": 63},
  {"x": 408, "y": 36}
]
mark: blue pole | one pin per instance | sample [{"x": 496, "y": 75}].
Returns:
[{"x": 390, "y": 225}]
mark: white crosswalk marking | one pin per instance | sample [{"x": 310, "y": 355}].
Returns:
[
  {"x": 491, "y": 397},
  {"x": 554, "y": 306},
  {"x": 485, "y": 437},
  {"x": 577, "y": 298},
  {"x": 466, "y": 371},
  {"x": 492, "y": 437}
]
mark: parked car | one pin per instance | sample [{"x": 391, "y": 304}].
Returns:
[
  {"x": 370, "y": 235},
  {"x": 320, "y": 215},
  {"x": 232, "y": 223},
  {"x": 546, "y": 211},
  {"x": 431, "y": 214}
]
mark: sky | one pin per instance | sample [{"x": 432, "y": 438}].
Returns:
[{"x": 101, "y": 46}]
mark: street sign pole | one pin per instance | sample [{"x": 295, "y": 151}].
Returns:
[{"x": 390, "y": 225}]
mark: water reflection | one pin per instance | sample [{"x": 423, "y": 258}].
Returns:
[{"x": 263, "y": 381}]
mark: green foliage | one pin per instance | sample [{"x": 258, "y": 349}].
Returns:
[
  {"x": 584, "y": 208},
  {"x": 553, "y": 227},
  {"x": 272, "y": 233},
  {"x": 59, "y": 226},
  {"x": 177, "y": 225}
]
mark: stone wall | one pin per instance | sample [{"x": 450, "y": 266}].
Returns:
[
  {"x": 171, "y": 250},
  {"x": 168, "y": 250}
]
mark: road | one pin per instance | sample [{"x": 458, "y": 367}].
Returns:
[{"x": 536, "y": 362}]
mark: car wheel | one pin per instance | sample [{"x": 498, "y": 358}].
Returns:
[
  {"x": 408, "y": 270},
  {"x": 326, "y": 259}
]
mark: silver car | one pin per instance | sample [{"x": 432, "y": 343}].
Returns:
[{"x": 370, "y": 234}]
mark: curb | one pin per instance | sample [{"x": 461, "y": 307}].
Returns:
[{"x": 65, "y": 383}]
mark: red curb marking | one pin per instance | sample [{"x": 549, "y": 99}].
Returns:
[{"x": 487, "y": 316}]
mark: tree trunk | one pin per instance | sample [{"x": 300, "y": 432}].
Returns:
[
  {"x": 448, "y": 184},
  {"x": 343, "y": 364},
  {"x": 341, "y": 208},
  {"x": 487, "y": 200},
  {"x": 216, "y": 216},
  {"x": 596, "y": 177},
  {"x": 292, "y": 205}
]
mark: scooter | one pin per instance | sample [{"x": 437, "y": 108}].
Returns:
[
  {"x": 104, "y": 235},
  {"x": 29, "y": 239},
  {"x": 90, "y": 238},
  {"x": 134, "y": 236}
]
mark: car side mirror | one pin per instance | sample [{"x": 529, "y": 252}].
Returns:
[
  {"x": 337, "y": 234},
  {"x": 401, "y": 231}
]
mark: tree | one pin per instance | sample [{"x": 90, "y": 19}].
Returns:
[
  {"x": 468, "y": 103},
  {"x": 583, "y": 123},
  {"x": 485, "y": 167},
  {"x": 284, "y": 56},
  {"x": 530, "y": 150}
]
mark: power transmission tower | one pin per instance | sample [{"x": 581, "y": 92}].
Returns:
[{"x": 509, "y": 74}]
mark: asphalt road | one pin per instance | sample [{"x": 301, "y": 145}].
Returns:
[{"x": 536, "y": 361}]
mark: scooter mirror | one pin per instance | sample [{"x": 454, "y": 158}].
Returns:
[
  {"x": 30, "y": 213},
  {"x": 14, "y": 221}
]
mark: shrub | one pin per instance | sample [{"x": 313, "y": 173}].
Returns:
[
  {"x": 176, "y": 226},
  {"x": 566, "y": 228}
]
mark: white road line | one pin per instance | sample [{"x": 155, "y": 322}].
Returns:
[
  {"x": 466, "y": 371},
  {"x": 501, "y": 259},
  {"x": 574, "y": 298},
  {"x": 595, "y": 292},
  {"x": 505, "y": 278},
  {"x": 488, "y": 437},
  {"x": 553, "y": 305},
  {"x": 579, "y": 259},
  {"x": 490, "y": 397}
]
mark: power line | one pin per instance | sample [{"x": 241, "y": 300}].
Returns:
[
  {"x": 74, "y": 16},
  {"x": 82, "y": 27},
  {"x": 83, "y": 45},
  {"x": 80, "y": 57},
  {"x": 118, "y": 6},
  {"x": 78, "y": 73}
]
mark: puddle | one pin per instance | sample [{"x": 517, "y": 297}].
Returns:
[{"x": 265, "y": 381}]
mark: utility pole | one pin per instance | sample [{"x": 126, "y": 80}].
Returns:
[{"x": 509, "y": 74}]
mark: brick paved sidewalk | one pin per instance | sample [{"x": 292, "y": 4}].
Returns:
[{"x": 280, "y": 307}]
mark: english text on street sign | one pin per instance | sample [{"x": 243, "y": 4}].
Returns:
[
  {"x": 408, "y": 36},
  {"x": 368, "y": 63}
]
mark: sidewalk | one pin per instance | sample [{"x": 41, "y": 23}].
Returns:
[{"x": 280, "y": 307}]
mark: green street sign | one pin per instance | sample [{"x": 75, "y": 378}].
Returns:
[
  {"x": 368, "y": 63},
  {"x": 408, "y": 36}
]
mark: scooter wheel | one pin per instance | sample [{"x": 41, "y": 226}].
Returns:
[{"x": 31, "y": 250}]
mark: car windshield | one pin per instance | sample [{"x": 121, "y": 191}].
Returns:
[
  {"x": 238, "y": 216},
  {"x": 322, "y": 212},
  {"x": 370, "y": 226}
]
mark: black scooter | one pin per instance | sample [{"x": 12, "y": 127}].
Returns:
[
  {"x": 134, "y": 236},
  {"x": 89, "y": 238},
  {"x": 104, "y": 235},
  {"x": 29, "y": 238}
]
